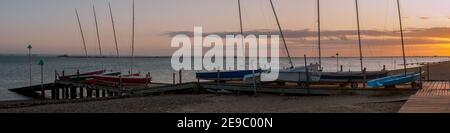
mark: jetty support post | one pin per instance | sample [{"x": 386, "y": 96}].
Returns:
[
  {"x": 68, "y": 91},
  {"x": 81, "y": 92},
  {"x": 57, "y": 92},
  {"x": 120, "y": 86},
  {"x": 110, "y": 93},
  {"x": 307, "y": 73},
  {"x": 55, "y": 87},
  {"x": 364, "y": 77},
  {"x": 52, "y": 92},
  {"x": 89, "y": 92},
  {"x": 421, "y": 78},
  {"x": 180, "y": 76},
  {"x": 73, "y": 92},
  {"x": 63, "y": 92},
  {"x": 173, "y": 78},
  {"x": 218, "y": 76},
  {"x": 41, "y": 63},
  {"x": 428, "y": 71},
  {"x": 97, "y": 93}
]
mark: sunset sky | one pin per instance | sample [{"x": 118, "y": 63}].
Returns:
[{"x": 51, "y": 26}]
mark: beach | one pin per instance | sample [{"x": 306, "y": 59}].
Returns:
[{"x": 212, "y": 103}]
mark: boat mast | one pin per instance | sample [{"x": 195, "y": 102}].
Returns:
[
  {"x": 402, "y": 36},
  {"x": 98, "y": 34},
  {"x": 114, "y": 31},
  {"x": 359, "y": 36},
  {"x": 132, "y": 43},
  {"x": 82, "y": 34},
  {"x": 318, "y": 34},
  {"x": 282, "y": 35},
  {"x": 240, "y": 21},
  {"x": 242, "y": 34}
]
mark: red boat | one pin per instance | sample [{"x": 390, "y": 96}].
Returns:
[{"x": 125, "y": 80}]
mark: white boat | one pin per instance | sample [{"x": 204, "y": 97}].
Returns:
[
  {"x": 299, "y": 74},
  {"x": 290, "y": 75}
]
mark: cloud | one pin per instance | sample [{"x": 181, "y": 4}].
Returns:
[{"x": 372, "y": 37}]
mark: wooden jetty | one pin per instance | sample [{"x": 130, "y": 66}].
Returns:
[
  {"x": 433, "y": 98},
  {"x": 71, "y": 90},
  {"x": 62, "y": 90}
]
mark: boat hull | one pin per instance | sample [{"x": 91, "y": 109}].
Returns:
[
  {"x": 298, "y": 77},
  {"x": 394, "y": 80},
  {"x": 225, "y": 75},
  {"x": 81, "y": 76},
  {"x": 299, "y": 74},
  {"x": 350, "y": 76},
  {"x": 115, "y": 80}
]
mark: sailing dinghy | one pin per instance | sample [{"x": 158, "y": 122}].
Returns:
[
  {"x": 401, "y": 78},
  {"x": 119, "y": 80},
  {"x": 133, "y": 79},
  {"x": 299, "y": 74},
  {"x": 87, "y": 74},
  {"x": 348, "y": 77}
]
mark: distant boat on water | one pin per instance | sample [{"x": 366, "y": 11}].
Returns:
[{"x": 69, "y": 56}]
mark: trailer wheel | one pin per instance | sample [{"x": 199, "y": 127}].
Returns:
[
  {"x": 414, "y": 85},
  {"x": 354, "y": 85},
  {"x": 302, "y": 84}
]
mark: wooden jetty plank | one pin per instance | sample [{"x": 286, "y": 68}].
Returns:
[
  {"x": 433, "y": 98},
  {"x": 441, "y": 85},
  {"x": 427, "y": 104}
]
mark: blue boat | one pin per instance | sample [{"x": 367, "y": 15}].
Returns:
[
  {"x": 394, "y": 80},
  {"x": 225, "y": 75}
]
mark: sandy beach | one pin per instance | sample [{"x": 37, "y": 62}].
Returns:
[{"x": 212, "y": 103}]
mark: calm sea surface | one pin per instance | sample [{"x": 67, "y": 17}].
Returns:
[{"x": 14, "y": 70}]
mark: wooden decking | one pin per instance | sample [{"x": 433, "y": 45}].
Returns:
[{"x": 433, "y": 98}]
